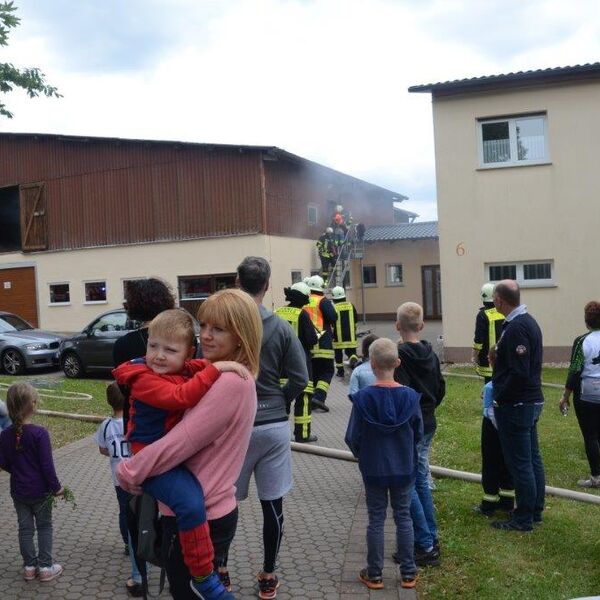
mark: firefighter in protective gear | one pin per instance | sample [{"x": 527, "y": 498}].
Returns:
[
  {"x": 344, "y": 333},
  {"x": 298, "y": 295},
  {"x": 498, "y": 489},
  {"x": 323, "y": 316},
  {"x": 327, "y": 250},
  {"x": 340, "y": 222}
]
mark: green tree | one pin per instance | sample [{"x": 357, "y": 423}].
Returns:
[{"x": 31, "y": 80}]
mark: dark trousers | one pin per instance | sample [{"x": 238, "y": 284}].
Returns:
[
  {"x": 222, "y": 532},
  {"x": 339, "y": 356},
  {"x": 123, "y": 498},
  {"x": 322, "y": 375},
  {"x": 588, "y": 416},
  {"x": 495, "y": 477},
  {"x": 327, "y": 263},
  {"x": 35, "y": 515},
  {"x": 517, "y": 429},
  {"x": 303, "y": 414}
]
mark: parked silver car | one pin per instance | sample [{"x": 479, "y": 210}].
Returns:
[
  {"x": 91, "y": 351},
  {"x": 22, "y": 347}
]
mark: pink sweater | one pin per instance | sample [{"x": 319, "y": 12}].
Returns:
[{"x": 211, "y": 440}]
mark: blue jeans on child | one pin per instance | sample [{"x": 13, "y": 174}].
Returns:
[
  {"x": 422, "y": 510},
  {"x": 123, "y": 498},
  {"x": 377, "y": 501},
  {"x": 32, "y": 515}
]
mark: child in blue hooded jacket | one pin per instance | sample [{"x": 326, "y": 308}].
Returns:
[{"x": 383, "y": 431}]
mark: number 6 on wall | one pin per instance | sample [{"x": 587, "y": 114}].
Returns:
[{"x": 460, "y": 249}]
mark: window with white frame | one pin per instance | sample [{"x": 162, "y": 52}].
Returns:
[
  {"x": 312, "y": 214},
  {"x": 59, "y": 293},
  {"x": 393, "y": 274},
  {"x": 369, "y": 275},
  {"x": 511, "y": 141},
  {"x": 95, "y": 292},
  {"x": 538, "y": 273}
]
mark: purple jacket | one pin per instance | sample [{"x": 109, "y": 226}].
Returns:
[{"x": 31, "y": 468}]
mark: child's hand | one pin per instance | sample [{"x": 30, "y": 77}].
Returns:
[
  {"x": 230, "y": 366},
  {"x": 60, "y": 492}
]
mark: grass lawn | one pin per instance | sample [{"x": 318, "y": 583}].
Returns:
[{"x": 559, "y": 560}]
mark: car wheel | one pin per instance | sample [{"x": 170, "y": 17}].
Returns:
[
  {"x": 13, "y": 362},
  {"x": 72, "y": 365}
]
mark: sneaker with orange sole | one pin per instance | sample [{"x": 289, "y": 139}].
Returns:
[
  {"x": 373, "y": 583},
  {"x": 408, "y": 581},
  {"x": 267, "y": 586}
]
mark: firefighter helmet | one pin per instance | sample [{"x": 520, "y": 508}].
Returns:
[
  {"x": 338, "y": 292},
  {"x": 487, "y": 292},
  {"x": 302, "y": 288},
  {"x": 316, "y": 283},
  {"x": 329, "y": 230}
]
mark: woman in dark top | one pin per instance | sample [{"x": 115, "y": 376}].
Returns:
[{"x": 144, "y": 299}]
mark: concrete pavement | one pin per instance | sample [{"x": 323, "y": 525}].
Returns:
[{"x": 322, "y": 551}]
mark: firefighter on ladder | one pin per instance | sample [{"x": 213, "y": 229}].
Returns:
[
  {"x": 344, "y": 333},
  {"x": 323, "y": 316},
  {"x": 298, "y": 296},
  {"x": 327, "y": 252},
  {"x": 498, "y": 490}
]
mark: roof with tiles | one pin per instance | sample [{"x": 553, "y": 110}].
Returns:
[
  {"x": 532, "y": 77},
  {"x": 402, "y": 231}
]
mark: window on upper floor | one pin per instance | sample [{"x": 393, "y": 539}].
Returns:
[
  {"x": 511, "y": 141},
  {"x": 538, "y": 273}
]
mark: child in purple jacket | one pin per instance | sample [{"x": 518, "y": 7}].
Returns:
[{"x": 25, "y": 452}]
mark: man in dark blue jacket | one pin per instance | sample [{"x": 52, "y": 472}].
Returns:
[{"x": 518, "y": 403}]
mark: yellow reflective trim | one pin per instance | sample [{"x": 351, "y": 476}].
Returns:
[
  {"x": 507, "y": 493},
  {"x": 321, "y": 353},
  {"x": 491, "y": 498},
  {"x": 291, "y": 314},
  {"x": 323, "y": 386},
  {"x": 477, "y": 346}
]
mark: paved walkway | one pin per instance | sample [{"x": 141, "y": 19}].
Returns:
[{"x": 322, "y": 551}]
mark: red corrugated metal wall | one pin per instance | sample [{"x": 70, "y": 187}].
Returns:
[
  {"x": 117, "y": 192},
  {"x": 291, "y": 187}
]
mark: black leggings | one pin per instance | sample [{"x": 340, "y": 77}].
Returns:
[
  {"x": 272, "y": 531},
  {"x": 588, "y": 415}
]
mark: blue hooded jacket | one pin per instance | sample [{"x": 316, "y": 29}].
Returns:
[{"x": 383, "y": 431}]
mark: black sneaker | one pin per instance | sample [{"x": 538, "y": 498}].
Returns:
[
  {"x": 373, "y": 583},
  {"x": 484, "y": 510},
  {"x": 512, "y": 525},
  {"x": 408, "y": 581},
  {"x": 267, "y": 586},
  {"x": 340, "y": 373},
  {"x": 427, "y": 559},
  {"x": 308, "y": 440}
]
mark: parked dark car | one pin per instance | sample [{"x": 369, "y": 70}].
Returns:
[
  {"x": 23, "y": 347},
  {"x": 91, "y": 351}
]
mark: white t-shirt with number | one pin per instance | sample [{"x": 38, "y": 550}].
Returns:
[{"x": 110, "y": 436}]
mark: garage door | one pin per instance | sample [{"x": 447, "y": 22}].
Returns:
[{"x": 18, "y": 293}]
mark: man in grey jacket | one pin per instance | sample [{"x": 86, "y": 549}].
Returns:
[{"x": 269, "y": 456}]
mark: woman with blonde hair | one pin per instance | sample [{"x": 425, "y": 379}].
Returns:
[{"x": 212, "y": 438}]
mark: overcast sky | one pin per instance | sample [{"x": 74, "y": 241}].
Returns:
[{"x": 325, "y": 79}]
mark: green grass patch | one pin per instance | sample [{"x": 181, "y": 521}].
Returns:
[{"x": 65, "y": 431}]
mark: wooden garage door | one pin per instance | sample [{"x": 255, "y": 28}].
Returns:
[{"x": 18, "y": 294}]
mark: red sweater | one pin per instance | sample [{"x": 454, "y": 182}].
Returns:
[{"x": 158, "y": 402}]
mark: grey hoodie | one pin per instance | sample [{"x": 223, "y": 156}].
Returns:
[{"x": 281, "y": 357}]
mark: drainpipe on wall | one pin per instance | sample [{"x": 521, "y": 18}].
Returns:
[{"x": 362, "y": 291}]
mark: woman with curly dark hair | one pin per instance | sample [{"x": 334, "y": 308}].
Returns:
[{"x": 583, "y": 381}]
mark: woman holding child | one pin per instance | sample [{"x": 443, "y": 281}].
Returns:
[{"x": 212, "y": 438}]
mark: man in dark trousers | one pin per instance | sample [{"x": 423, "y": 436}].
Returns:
[
  {"x": 518, "y": 403},
  {"x": 327, "y": 250},
  {"x": 323, "y": 316},
  {"x": 498, "y": 491},
  {"x": 298, "y": 296}
]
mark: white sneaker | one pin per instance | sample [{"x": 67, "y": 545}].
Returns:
[
  {"x": 592, "y": 482},
  {"x": 29, "y": 573},
  {"x": 50, "y": 573}
]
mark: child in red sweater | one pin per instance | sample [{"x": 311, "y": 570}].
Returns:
[{"x": 162, "y": 386}]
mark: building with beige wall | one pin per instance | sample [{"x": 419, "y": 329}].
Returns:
[
  {"x": 400, "y": 264},
  {"x": 517, "y": 184}
]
